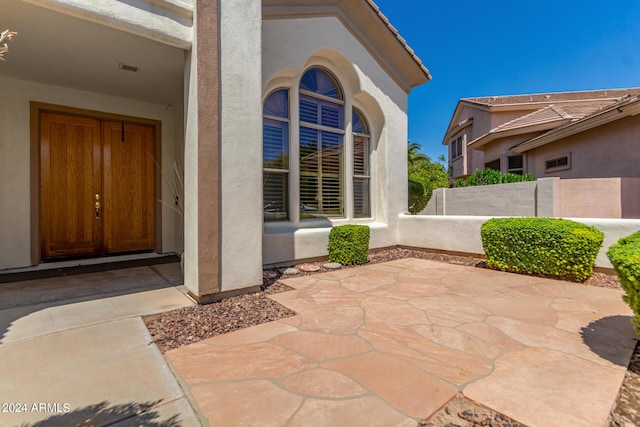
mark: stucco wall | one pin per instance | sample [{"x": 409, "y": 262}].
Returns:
[
  {"x": 599, "y": 197},
  {"x": 15, "y": 95},
  {"x": 517, "y": 199},
  {"x": 610, "y": 150},
  {"x": 241, "y": 143},
  {"x": 552, "y": 197},
  {"x": 290, "y": 47},
  {"x": 462, "y": 233}
]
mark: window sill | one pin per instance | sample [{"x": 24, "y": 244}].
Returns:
[
  {"x": 317, "y": 224},
  {"x": 559, "y": 168}
]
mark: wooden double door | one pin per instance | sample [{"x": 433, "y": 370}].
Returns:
[{"x": 97, "y": 190}]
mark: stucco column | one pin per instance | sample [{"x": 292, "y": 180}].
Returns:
[
  {"x": 202, "y": 155},
  {"x": 223, "y": 151}
]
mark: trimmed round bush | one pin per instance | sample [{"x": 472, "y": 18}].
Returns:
[
  {"x": 546, "y": 246},
  {"x": 625, "y": 257},
  {"x": 349, "y": 244}
]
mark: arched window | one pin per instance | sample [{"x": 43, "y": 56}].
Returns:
[
  {"x": 321, "y": 145},
  {"x": 275, "y": 157},
  {"x": 361, "y": 168}
]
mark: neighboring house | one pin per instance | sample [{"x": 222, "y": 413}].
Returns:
[
  {"x": 587, "y": 134},
  {"x": 290, "y": 116}
]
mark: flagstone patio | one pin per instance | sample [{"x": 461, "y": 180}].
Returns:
[{"x": 391, "y": 343}]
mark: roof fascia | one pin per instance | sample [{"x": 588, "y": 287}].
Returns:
[{"x": 537, "y": 105}]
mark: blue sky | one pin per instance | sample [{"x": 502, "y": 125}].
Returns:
[{"x": 505, "y": 47}]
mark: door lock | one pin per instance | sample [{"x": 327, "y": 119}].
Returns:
[{"x": 97, "y": 206}]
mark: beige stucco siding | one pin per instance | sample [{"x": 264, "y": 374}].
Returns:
[
  {"x": 611, "y": 150},
  {"x": 15, "y": 161}
]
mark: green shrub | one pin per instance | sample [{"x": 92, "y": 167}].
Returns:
[
  {"x": 625, "y": 257},
  {"x": 548, "y": 246},
  {"x": 490, "y": 177},
  {"x": 420, "y": 191},
  {"x": 349, "y": 244}
]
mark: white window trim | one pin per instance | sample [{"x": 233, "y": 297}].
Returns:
[{"x": 294, "y": 221}]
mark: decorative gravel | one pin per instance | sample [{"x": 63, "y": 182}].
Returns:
[
  {"x": 188, "y": 325},
  {"x": 177, "y": 328}
]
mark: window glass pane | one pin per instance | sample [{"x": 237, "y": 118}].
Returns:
[
  {"x": 515, "y": 162},
  {"x": 331, "y": 115},
  {"x": 320, "y": 173},
  {"x": 456, "y": 147},
  {"x": 331, "y": 195},
  {"x": 275, "y": 136},
  {"x": 277, "y": 104},
  {"x": 331, "y": 153},
  {"x": 495, "y": 165},
  {"x": 361, "y": 198},
  {"x": 308, "y": 150},
  {"x": 358, "y": 123},
  {"x": 555, "y": 163},
  {"x": 319, "y": 81},
  {"x": 308, "y": 195},
  {"x": 275, "y": 196},
  {"x": 309, "y": 109},
  {"x": 360, "y": 155}
]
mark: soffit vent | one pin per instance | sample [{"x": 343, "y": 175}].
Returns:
[{"x": 126, "y": 67}]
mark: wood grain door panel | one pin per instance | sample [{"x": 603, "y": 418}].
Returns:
[
  {"x": 70, "y": 177},
  {"x": 128, "y": 187},
  {"x": 81, "y": 157}
]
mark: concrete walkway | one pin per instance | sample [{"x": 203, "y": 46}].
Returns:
[
  {"x": 74, "y": 351},
  {"x": 389, "y": 344}
]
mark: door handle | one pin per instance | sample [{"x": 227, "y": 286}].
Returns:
[{"x": 97, "y": 206}]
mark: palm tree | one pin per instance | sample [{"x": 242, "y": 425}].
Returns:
[{"x": 413, "y": 153}]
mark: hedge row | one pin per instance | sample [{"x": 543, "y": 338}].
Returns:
[
  {"x": 490, "y": 177},
  {"x": 625, "y": 257},
  {"x": 546, "y": 246}
]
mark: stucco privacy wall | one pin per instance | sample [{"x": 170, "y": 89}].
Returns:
[
  {"x": 290, "y": 47},
  {"x": 550, "y": 197},
  {"x": 15, "y": 96},
  {"x": 241, "y": 143},
  {"x": 600, "y": 197},
  {"x": 484, "y": 200},
  {"x": 462, "y": 233}
]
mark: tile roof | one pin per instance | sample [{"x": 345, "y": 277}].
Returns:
[
  {"x": 400, "y": 39},
  {"x": 553, "y": 117},
  {"x": 553, "y": 97},
  {"x": 544, "y": 115},
  {"x": 592, "y": 119}
]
